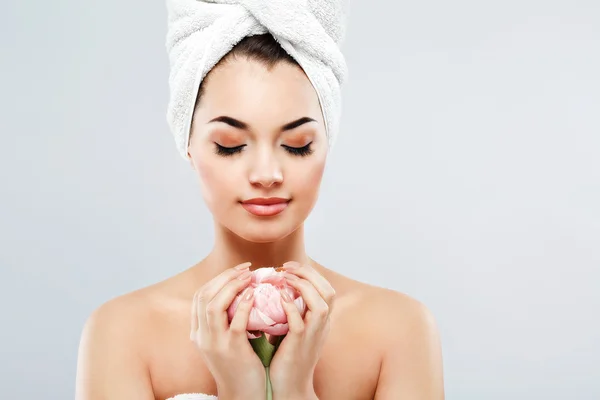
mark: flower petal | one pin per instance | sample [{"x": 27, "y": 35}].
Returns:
[
  {"x": 259, "y": 321},
  {"x": 261, "y": 273},
  {"x": 278, "y": 329},
  {"x": 277, "y": 280},
  {"x": 253, "y": 335},
  {"x": 301, "y": 305},
  {"x": 267, "y": 299},
  {"x": 275, "y": 310}
]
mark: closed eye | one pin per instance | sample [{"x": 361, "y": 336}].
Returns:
[
  {"x": 296, "y": 151},
  {"x": 299, "y": 151},
  {"x": 228, "y": 151}
]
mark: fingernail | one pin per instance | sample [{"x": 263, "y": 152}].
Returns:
[
  {"x": 248, "y": 294},
  {"x": 245, "y": 275},
  {"x": 291, "y": 277},
  {"x": 286, "y": 296},
  {"x": 243, "y": 266},
  {"x": 291, "y": 265}
]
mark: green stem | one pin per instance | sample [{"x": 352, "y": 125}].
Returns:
[
  {"x": 269, "y": 388},
  {"x": 265, "y": 352}
]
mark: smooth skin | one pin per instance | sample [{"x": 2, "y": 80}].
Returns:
[
  {"x": 356, "y": 341},
  {"x": 224, "y": 345}
]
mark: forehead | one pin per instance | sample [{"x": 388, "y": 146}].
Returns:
[{"x": 248, "y": 89}]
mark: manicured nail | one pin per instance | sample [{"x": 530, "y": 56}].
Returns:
[
  {"x": 286, "y": 296},
  {"x": 248, "y": 294},
  {"x": 245, "y": 275},
  {"x": 291, "y": 265},
  {"x": 243, "y": 266},
  {"x": 291, "y": 277}
]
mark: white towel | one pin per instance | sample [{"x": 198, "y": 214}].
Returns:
[
  {"x": 193, "y": 396},
  {"x": 201, "y": 32}
]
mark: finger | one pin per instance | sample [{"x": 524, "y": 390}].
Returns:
[
  {"x": 194, "y": 318},
  {"x": 207, "y": 292},
  {"x": 307, "y": 272},
  {"x": 212, "y": 287},
  {"x": 202, "y": 325},
  {"x": 318, "y": 310},
  {"x": 294, "y": 319},
  {"x": 239, "y": 323},
  {"x": 216, "y": 310}
]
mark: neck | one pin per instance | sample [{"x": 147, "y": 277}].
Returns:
[{"x": 230, "y": 250}]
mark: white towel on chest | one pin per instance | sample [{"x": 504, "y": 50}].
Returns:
[
  {"x": 193, "y": 396},
  {"x": 201, "y": 32}
]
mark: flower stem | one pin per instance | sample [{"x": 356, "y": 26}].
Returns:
[
  {"x": 265, "y": 352},
  {"x": 269, "y": 388}
]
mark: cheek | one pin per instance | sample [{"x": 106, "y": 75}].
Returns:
[
  {"x": 216, "y": 182},
  {"x": 308, "y": 179}
]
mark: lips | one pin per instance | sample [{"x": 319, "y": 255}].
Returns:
[{"x": 265, "y": 207}]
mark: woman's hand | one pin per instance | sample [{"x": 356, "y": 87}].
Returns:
[
  {"x": 293, "y": 365},
  {"x": 237, "y": 370}
]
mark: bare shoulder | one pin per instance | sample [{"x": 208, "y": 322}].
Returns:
[
  {"x": 384, "y": 306},
  {"x": 130, "y": 319},
  {"x": 402, "y": 330},
  {"x": 115, "y": 343},
  {"x": 110, "y": 362},
  {"x": 400, "y": 312},
  {"x": 119, "y": 318}
]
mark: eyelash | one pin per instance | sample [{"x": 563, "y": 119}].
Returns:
[
  {"x": 228, "y": 151},
  {"x": 299, "y": 151},
  {"x": 296, "y": 151}
]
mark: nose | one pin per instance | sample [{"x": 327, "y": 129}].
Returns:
[{"x": 266, "y": 171}]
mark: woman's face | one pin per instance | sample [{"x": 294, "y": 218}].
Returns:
[{"x": 258, "y": 136}]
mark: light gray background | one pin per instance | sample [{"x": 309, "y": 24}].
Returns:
[{"x": 467, "y": 175}]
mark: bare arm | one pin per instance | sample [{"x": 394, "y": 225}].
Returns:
[
  {"x": 109, "y": 365},
  {"x": 412, "y": 365}
]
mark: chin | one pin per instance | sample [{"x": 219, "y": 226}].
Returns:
[{"x": 263, "y": 232}]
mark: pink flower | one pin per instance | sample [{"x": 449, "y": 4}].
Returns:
[{"x": 267, "y": 314}]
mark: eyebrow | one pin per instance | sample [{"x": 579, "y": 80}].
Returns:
[{"x": 242, "y": 125}]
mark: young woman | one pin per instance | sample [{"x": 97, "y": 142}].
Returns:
[{"x": 258, "y": 145}]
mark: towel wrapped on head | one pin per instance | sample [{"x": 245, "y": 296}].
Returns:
[{"x": 202, "y": 32}]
